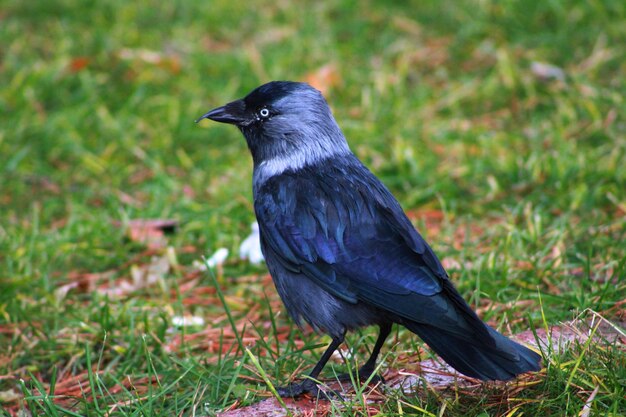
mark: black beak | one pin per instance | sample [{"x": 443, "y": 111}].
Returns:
[{"x": 233, "y": 113}]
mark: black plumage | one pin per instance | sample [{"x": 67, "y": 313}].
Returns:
[{"x": 339, "y": 247}]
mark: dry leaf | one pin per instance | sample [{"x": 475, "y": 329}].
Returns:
[
  {"x": 142, "y": 276},
  {"x": 79, "y": 63},
  {"x": 324, "y": 78},
  {"x": 150, "y": 232},
  {"x": 547, "y": 72},
  {"x": 170, "y": 62}
]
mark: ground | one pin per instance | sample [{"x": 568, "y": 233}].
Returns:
[{"x": 499, "y": 126}]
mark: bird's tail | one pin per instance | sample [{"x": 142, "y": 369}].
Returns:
[{"x": 474, "y": 348}]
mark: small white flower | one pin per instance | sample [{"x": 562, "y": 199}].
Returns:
[
  {"x": 217, "y": 258},
  {"x": 186, "y": 321},
  {"x": 250, "y": 248}
]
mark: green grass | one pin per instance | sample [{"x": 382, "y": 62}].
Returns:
[{"x": 518, "y": 182}]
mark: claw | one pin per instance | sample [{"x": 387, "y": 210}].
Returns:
[{"x": 308, "y": 386}]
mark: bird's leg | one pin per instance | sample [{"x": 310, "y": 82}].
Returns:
[
  {"x": 368, "y": 368},
  {"x": 308, "y": 385}
]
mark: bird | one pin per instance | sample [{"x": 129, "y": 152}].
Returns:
[{"x": 341, "y": 251}]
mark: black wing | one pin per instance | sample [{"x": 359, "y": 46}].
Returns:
[{"x": 342, "y": 228}]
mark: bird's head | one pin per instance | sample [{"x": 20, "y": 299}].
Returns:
[{"x": 286, "y": 124}]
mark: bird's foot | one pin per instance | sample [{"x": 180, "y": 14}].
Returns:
[{"x": 307, "y": 386}]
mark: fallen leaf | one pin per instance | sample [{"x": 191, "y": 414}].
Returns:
[
  {"x": 547, "y": 72},
  {"x": 146, "y": 55},
  {"x": 303, "y": 406},
  {"x": 83, "y": 282},
  {"x": 141, "y": 276},
  {"x": 324, "y": 78},
  {"x": 587, "y": 407},
  {"x": 167, "y": 61},
  {"x": 79, "y": 63},
  {"x": 214, "y": 45},
  {"x": 150, "y": 232},
  {"x": 10, "y": 396}
]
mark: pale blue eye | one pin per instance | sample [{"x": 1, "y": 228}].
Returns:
[{"x": 264, "y": 112}]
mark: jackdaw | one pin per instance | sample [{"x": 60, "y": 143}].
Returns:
[{"x": 340, "y": 249}]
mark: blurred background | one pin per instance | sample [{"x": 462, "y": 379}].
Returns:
[{"x": 498, "y": 125}]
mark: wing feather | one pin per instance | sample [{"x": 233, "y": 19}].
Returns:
[{"x": 348, "y": 234}]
